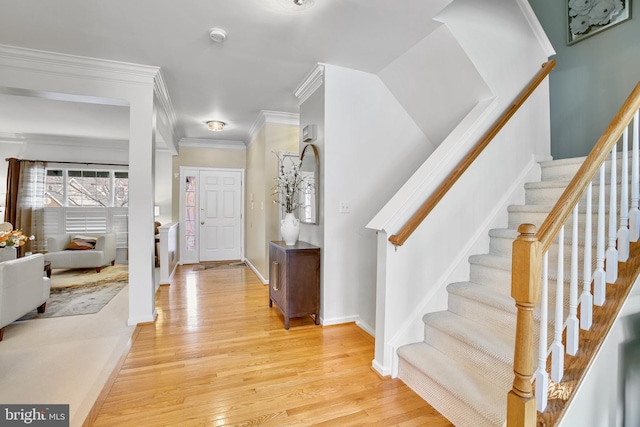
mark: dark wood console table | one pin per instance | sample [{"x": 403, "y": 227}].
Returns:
[{"x": 294, "y": 280}]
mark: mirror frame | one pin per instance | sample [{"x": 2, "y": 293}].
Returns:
[{"x": 307, "y": 150}]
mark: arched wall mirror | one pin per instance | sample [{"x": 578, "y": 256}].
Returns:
[{"x": 308, "y": 212}]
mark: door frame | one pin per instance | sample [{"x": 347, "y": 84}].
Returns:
[{"x": 193, "y": 257}]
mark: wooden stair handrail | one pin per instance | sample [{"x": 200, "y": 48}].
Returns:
[
  {"x": 458, "y": 171},
  {"x": 426, "y": 208},
  {"x": 526, "y": 271},
  {"x": 585, "y": 174}
]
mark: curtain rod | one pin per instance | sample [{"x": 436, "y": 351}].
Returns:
[{"x": 71, "y": 163}]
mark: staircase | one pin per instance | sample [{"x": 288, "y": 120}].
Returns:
[{"x": 464, "y": 366}]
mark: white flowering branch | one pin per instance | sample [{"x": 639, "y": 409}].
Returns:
[{"x": 289, "y": 184}]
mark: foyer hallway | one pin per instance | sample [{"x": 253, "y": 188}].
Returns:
[{"x": 219, "y": 356}]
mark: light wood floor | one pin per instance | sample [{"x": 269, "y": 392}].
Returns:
[{"x": 219, "y": 356}]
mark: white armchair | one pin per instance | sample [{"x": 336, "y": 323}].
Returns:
[{"x": 23, "y": 287}]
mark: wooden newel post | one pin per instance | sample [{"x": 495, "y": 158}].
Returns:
[{"x": 525, "y": 289}]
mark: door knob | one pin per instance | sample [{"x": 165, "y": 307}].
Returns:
[{"x": 201, "y": 222}]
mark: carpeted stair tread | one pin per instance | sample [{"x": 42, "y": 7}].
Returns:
[
  {"x": 565, "y": 169},
  {"x": 504, "y": 233},
  {"x": 494, "y": 299},
  {"x": 493, "y": 261},
  {"x": 493, "y": 270},
  {"x": 466, "y": 387},
  {"x": 491, "y": 350}
]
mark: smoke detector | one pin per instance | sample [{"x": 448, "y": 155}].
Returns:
[
  {"x": 218, "y": 35},
  {"x": 295, "y": 5}
]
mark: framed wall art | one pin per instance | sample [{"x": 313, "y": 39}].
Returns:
[{"x": 588, "y": 17}]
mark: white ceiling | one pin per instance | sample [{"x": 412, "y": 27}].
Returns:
[{"x": 268, "y": 52}]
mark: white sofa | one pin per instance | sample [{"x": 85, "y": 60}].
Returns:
[
  {"x": 23, "y": 287},
  {"x": 103, "y": 254}
]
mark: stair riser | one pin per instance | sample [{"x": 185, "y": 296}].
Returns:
[
  {"x": 503, "y": 247},
  {"x": 500, "y": 280},
  {"x": 471, "y": 309},
  {"x": 550, "y": 196},
  {"x": 558, "y": 171},
  {"x": 440, "y": 398},
  {"x": 498, "y": 371},
  {"x": 537, "y": 218}
]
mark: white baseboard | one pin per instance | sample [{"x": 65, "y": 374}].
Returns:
[
  {"x": 134, "y": 321},
  {"x": 257, "y": 273}
]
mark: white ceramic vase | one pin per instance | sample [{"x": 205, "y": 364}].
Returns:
[
  {"x": 8, "y": 253},
  {"x": 290, "y": 229}
]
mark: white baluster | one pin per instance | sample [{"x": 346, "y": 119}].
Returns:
[
  {"x": 612, "y": 252},
  {"x": 634, "y": 213},
  {"x": 557, "y": 348},
  {"x": 572, "y": 320},
  {"x": 586, "y": 299},
  {"x": 623, "y": 231},
  {"x": 542, "y": 377},
  {"x": 599, "y": 276}
]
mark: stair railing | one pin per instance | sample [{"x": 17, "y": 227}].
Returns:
[
  {"x": 531, "y": 268},
  {"x": 417, "y": 218}
]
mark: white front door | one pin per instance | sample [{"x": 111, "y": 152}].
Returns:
[{"x": 220, "y": 215}]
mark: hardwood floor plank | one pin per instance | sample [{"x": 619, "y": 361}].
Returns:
[{"x": 218, "y": 355}]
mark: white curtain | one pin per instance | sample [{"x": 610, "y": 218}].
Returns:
[{"x": 30, "y": 204}]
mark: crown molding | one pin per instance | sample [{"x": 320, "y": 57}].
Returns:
[
  {"x": 80, "y": 67},
  {"x": 62, "y": 141},
  {"x": 11, "y": 138},
  {"x": 271, "y": 117},
  {"x": 281, "y": 118},
  {"x": 75, "y": 66},
  {"x": 212, "y": 143},
  {"x": 310, "y": 83},
  {"x": 162, "y": 94}
]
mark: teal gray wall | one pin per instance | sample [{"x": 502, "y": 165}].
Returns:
[{"x": 592, "y": 78}]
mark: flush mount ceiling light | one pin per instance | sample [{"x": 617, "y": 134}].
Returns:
[{"x": 216, "y": 125}]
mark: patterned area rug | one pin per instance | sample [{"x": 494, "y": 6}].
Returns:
[
  {"x": 82, "y": 291},
  {"x": 218, "y": 264}
]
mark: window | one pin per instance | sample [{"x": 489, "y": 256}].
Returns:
[
  {"x": 87, "y": 201},
  {"x": 96, "y": 188},
  {"x": 88, "y": 188}
]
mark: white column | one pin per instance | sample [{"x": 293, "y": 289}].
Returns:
[{"x": 141, "y": 202}]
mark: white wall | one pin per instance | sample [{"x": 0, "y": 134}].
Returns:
[
  {"x": 371, "y": 146},
  {"x": 598, "y": 400},
  {"x": 436, "y": 83},
  {"x": 164, "y": 186}
]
